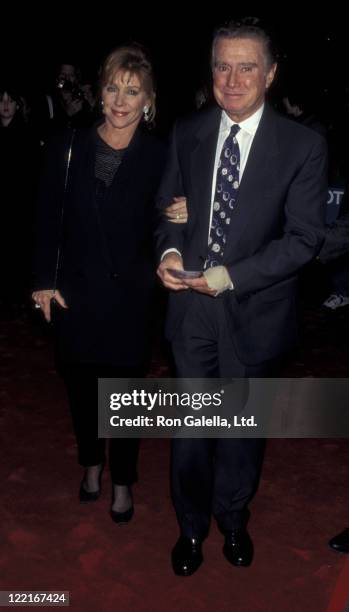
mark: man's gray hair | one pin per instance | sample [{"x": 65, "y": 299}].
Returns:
[{"x": 246, "y": 28}]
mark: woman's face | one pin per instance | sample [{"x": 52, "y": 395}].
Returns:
[
  {"x": 8, "y": 107},
  {"x": 124, "y": 99}
]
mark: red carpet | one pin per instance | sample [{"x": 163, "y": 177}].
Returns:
[
  {"x": 340, "y": 596},
  {"x": 50, "y": 542}
]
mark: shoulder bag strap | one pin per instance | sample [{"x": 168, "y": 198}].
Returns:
[{"x": 66, "y": 179}]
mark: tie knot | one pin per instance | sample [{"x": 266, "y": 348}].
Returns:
[{"x": 234, "y": 129}]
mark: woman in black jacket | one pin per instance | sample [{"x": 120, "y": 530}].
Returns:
[{"x": 103, "y": 287}]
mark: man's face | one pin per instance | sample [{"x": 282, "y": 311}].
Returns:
[
  {"x": 67, "y": 73},
  {"x": 240, "y": 76}
]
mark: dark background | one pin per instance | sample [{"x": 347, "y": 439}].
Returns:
[{"x": 312, "y": 48}]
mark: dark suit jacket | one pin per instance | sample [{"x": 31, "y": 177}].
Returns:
[
  {"x": 106, "y": 271},
  {"x": 276, "y": 226}
]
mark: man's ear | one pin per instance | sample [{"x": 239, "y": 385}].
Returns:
[{"x": 270, "y": 76}]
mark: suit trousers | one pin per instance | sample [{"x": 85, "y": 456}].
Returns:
[
  {"x": 218, "y": 476},
  {"x": 81, "y": 381}
]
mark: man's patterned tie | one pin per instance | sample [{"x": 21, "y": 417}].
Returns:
[{"x": 227, "y": 186}]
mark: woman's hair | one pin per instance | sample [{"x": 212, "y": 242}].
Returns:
[
  {"x": 12, "y": 93},
  {"x": 132, "y": 59}
]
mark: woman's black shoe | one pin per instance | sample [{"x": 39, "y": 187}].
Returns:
[
  {"x": 87, "y": 497},
  {"x": 122, "y": 517}
]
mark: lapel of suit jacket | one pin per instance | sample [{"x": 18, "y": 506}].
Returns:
[
  {"x": 257, "y": 178},
  {"x": 83, "y": 158},
  {"x": 202, "y": 160},
  {"x": 86, "y": 195}
]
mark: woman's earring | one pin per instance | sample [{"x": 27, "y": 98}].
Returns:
[{"x": 146, "y": 113}]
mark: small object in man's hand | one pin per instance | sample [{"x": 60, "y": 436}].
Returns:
[{"x": 183, "y": 274}]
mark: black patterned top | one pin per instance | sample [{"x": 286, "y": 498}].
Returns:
[{"x": 107, "y": 161}]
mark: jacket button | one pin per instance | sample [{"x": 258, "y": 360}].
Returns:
[{"x": 113, "y": 275}]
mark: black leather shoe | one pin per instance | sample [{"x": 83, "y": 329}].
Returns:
[
  {"x": 238, "y": 548},
  {"x": 340, "y": 542},
  {"x": 186, "y": 556},
  {"x": 122, "y": 517}
]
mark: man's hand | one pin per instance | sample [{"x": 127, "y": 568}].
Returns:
[
  {"x": 177, "y": 212},
  {"x": 43, "y": 299},
  {"x": 200, "y": 285},
  {"x": 171, "y": 260}
]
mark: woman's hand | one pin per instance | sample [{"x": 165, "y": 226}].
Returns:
[
  {"x": 43, "y": 299},
  {"x": 177, "y": 212}
]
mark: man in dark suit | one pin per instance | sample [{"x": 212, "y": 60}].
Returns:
[{"x": 254, "y": 184}]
